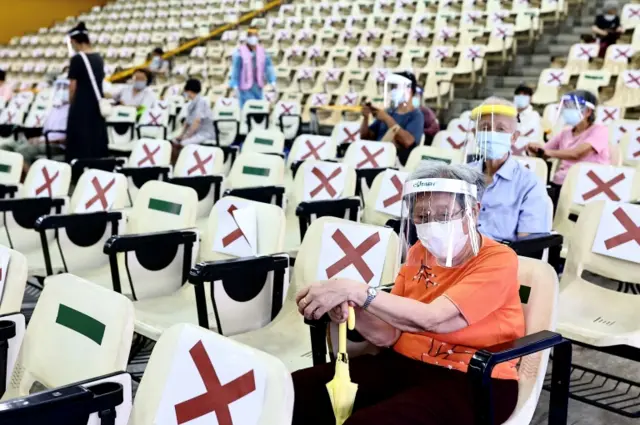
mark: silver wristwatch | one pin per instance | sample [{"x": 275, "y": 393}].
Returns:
[{"x": 371, "y": 294}]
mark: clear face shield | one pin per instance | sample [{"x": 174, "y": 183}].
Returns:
[
  {"x": 438, "y": 223},
  {"x": 60, "y": 92},
  {"x": 494, "y": 128},
  {"x": 397, "y": 90},
  {"x": 573, "y": 109}
]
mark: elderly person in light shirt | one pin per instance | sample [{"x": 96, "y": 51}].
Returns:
[
  {"x": 138, "y": 93},
  {"x": 515, "y": 203}
]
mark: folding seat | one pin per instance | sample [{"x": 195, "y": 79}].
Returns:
[
  {"x": 11, "y": 164},
  {"x": 586, "y": 183},
  {"x": 11, "y": 119},
  {"x": 121, "y": 127},
  {"x": 310, "y": 147},
  {"x": 538, "y": 165},
  {"x": 617, "y": 58},
  {"x": 314, "y": 101},
  {"x": 439, "y": 86},
  {"x": 431, "y": 153},
  {"x": 464, "y": 125},
  {"x": 627, "y": 92},
  {"x": 154, "y": 122},
  {"x": 43, "y": 192},
  {"x": 579, "y": 57},
  {"x": 471, "y": 67},
  {"x": 593, "y": 81},
  {"x": 552, "y": 11},
  {"x": 387, "y": 57},
  {"x": 285, "y": 115},
  {"x": 501, "y": 43},
  {"x": 284, "y": 39},
  {"x": 445, "y": 139},
  {"x": 445, "y": 35},
  {"x": 630, "y": 149},
  {"x": 437, "y": 56},
  {"x": 150, "y": 159},
  {"x": 257, "y": 176},
  {"x": 85, "y": 331},
  {"x": 294, "y": 23},
  {"x": 12, "y": 286},
  {"x": 269, "y": 141},
  {"x": 384, "y": 199},
  {"x": 548, "y": 85},
  {"x": 369, "y": 159},
  {"x": 630, "y": 16},
  {"x": 226, "y": 120},
  {"x": 373, "y": 37},
  {"x": 608, "y": 114}
]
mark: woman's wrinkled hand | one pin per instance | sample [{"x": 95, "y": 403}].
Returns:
[
  {"x": 326, "y": 297},
  {"x": 339, "y": 313}
]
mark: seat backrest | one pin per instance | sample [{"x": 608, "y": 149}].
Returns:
[
  {"x": 37, "y": 116},
  {"x": 149, "y": 153},
  {"x": 123, "y": 114},
  {"x": 346, "y": 132},
  {"x": 13, "y": 278},
  {"x": 264, "y": 141},
  {"x": 99, "y": 190},
  {"x": 455, "y": 140},
  {"x": 256, "y": 169},
  {"x": 262, "y": 229},
  {"x": 322, "y": 180},
  {"x": 331, "y": 237},
  {"x": 163, "y": 206},
  {"x": 185, "y": 362},
  {"x": 158, "y": 114},
  {"x": 630, "y": 16},
  {"x": 608, "y": 114},
  {"x": 199, "y": 160},
  {"x": 539, "y": 297},
  {"x": 537, "y": 165},
  {"x": 630, "y": 149},
  {"x": 617, "y": 58},
  {"x": 10, "y": 167},
  {"x": 384, "y": 199},
  {"x": 548, "y": 84},
  {"x": 431, "y": 153},
  {"x": 579, "y": 57},
  {"x": 47, "y": 178},
  {"x": 309, "y": 146},
  {"x": 368, "y": 154},
  {"x": 593, "y": 80},
  {"x": 78, "y": 331}
]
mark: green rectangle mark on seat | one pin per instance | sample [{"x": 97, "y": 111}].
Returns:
[
  {"x": 5, "y": 168},
  {"x": 81, "y": 323},
  {"x": 433, "y": 158},
  {"x": 255, "y": 107},
  {"x": 164, "y": 206},
  {"x": 225, "y": 114},
  {"x": 255, "y": 171},
  {"x": 525, "y": 292},
  {"x": 260, "y": 141}
]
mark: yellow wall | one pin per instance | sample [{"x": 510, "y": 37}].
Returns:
[{"x": 20, "y": 17}]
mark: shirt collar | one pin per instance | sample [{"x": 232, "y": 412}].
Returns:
[{"x": 508, "y": 169}]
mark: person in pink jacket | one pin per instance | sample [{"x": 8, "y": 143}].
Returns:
[{"x": 251, "y": 70}]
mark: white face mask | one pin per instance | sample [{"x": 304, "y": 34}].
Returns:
[
  {"x": 252, "y": 40},
  {"x": 444, "y": 240},
  {"x": 521, "y": 101},
  {"x": 609, "y": 17},
  {"x": 397, "y": 97},
  {"x": 493, "y": 144}
]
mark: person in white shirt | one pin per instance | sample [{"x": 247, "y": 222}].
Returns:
[
  {"x": 529, "y": 121},
  {"x": 158, "y": 65},
  {"x": 138, "y": 93}
]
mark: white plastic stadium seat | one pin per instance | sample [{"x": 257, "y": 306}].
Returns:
[{"x": 12, "y": 280}]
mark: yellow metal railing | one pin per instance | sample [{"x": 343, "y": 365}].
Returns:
[{"x": 193, "y": 43}]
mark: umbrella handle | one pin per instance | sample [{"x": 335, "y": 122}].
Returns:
[
  {"x": 342, "y": 330},
  {"x": 351, "y": 319}
]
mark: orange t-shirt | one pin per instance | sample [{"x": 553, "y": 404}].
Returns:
[{"x": 486, "y": 291}]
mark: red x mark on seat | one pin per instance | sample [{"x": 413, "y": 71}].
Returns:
[
  {"x": 419, "y": 34},
  {"x": 369, "y": 157},
  {"x": 237, "y": 233},
  {"x": 225, "y": 102},
  {"x": 386, "y": 53},
  {"x": 332, "y": 75},
  {"x": 502, "y": 32},
  {"x": 218, "y": 397},
  {"x": 634, "y": 12},
  {"x": 381, "y": 75},
  {"x": 306, "y": 74},
  {"x": 632, "y": 231},
  {"x": 609, "y": 115},
  {"x": 555, "y": 77},
  {"x": 454, "y": 144},
  {"x": 518, "y": 150},
  {"x": 154, "y": 118},
  {"x": 10, "y": 117},
  {"x": 348, "y": 100},
  {"x": 353, "y": 255},
  {"x": 445, "y": 35},
  {"x": 319, "y": 100},
  {"x": 461, "y": 128},
  {"x": 100, "y": 193},
  {"x": 395, "y": 181},
  {"x": 474, "y": 53},
  {"x": 602, "y": 187},
  {"x": 314, "y": 52},
  {"x": 351, "y": 137},
  {"x": 498, "y": 18},
  {"x": 149, "y": 155},
  {"x": 529, "y": 133},
  {"x": 38, "y": 120},
  {"x": 584, "y": 52},
  {"x": 200, "y": 163},
  {"x": 620, "y": 53},
  {"x": 442, "y": 53},
  {"x": 325, "y": 182},
  {"x": 286, "y": 110},
  {"x": 633, "y": 80},
  {"x": 48, "y": 182},
  {"x": 313, "y": 150}
]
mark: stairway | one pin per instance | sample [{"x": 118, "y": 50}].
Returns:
[{"x": 555, "y": 42}]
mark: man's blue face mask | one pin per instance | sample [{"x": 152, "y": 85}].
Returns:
[{"x": 493, "y": 144}]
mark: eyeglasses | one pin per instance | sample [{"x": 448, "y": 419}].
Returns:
[{"x": 437, "y": 218}]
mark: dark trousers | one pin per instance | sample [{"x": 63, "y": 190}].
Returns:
[{"x": 396, "y": 390}]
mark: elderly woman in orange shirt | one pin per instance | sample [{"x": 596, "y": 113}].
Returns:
[{"x": 456, "y": 292}]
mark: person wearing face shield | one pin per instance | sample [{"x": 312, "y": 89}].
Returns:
[
  {"x": 431, "y": 123},
  {"x": 456, "y": 292},
  {"x": 400, "y": 122},
  {"x": 53, "y": 129},
  {"x": 515, "y": 203},
  {"x": 607, "y": 28},
  {"x": 251, "y": 70},
  {"x": 583, "y": 141},
  {"x": 138, "y": 93},
  {"x": 529, "y": 121}
]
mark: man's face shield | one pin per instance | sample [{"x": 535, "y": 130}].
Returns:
[
  {"x": 573, "y": 110},
  {"x": 494, "y": 130},
  {"x": 441, "y": 216},
  {"x": 397, "y": 90},
  {"x": 60, "y": 92}
]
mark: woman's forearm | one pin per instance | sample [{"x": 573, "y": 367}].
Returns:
[
  {"x": 374, "y": 330},
  {"x": 365, "y": 132}
]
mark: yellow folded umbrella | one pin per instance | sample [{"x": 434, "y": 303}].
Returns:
[
  {"x": 341, "y": 108},
  {"x": 342, "y": 391}
]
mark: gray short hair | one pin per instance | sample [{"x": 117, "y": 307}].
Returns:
[
  {"x": 438, "y": 169},
  {"x": 495, "y": 100}
]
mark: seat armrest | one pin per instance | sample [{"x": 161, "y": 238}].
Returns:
[
  {"x": 104, "y": 164},
  {"x": 535, "y": 243},
  {"x": 126, "y": 243},
  {"x": 484, "y": 360},
  {"x": 263, "y": 194},
  {"x": 7, "y": 330},
  {"x": 73, "y": 220},
  {"x": 201, "y": 184},
  {"x": 8, "y": 189},
  {"x": 28, "y": 203},
  {"x": 144, "y": 171},
  {"x": 330, "y": 207}
]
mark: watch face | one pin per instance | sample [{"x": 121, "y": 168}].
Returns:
[{"x": 372, "y": 291}]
